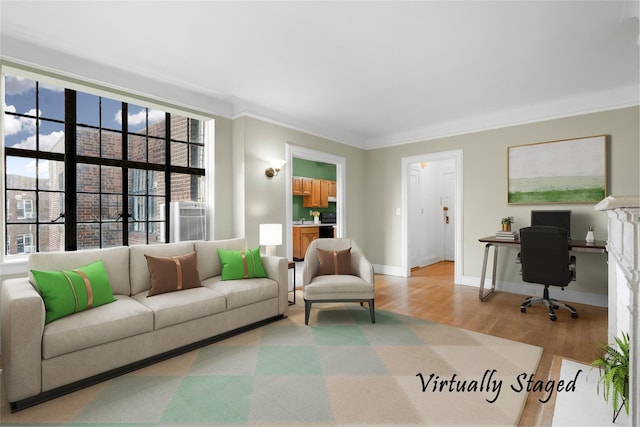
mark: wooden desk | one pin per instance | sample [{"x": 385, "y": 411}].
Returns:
[{"x": 598, "y": 246}]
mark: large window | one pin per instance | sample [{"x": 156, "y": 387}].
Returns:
[{"x": 85, "y": 171}]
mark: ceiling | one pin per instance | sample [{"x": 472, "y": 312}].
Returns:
[{"x": 368, "y": 74}]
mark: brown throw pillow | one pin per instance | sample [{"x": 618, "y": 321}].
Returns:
[
  {"x": 334, "y": 262},
  {"x": 174, "y": 273}
]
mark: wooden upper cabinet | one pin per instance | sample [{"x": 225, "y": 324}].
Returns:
[
  {"x": 296, "y": 186},
  {"x": 319, "y": 195},
  {"x": 301, "y": 186},
  {"x": 333, "y": 192}
]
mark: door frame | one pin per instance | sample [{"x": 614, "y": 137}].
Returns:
[
  {"x": 296, "y": 151},
  {"x": 406, "y": 162}
]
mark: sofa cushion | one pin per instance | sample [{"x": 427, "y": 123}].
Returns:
[
  {"x": 241, "y": 264},
  {"x": 116, "y": 262},
  {"x": 71, "y": 291},
  {"x": 208, "y": 260},
  {"x": 169, "y": 274},
  {"x": 334, "y": 262},
  {"x": 243, "y": 292},
  {"x": 121, "y": 319},
  {"x": 178, "y": 307},
  {"x": 139, "y": 272}
]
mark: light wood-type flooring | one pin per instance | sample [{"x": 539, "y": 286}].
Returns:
[{"x": 430, "y": 294}]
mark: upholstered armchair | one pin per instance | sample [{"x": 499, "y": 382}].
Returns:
[{"x": 336, "y": 270}]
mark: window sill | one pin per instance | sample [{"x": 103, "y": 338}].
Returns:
[{"x": 14, "y": 267}]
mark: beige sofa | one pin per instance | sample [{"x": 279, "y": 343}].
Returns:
[{"x": 43, "y": 361}]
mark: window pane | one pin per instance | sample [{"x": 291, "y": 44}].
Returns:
[
  {"x": 20, "y": 95},
  {"x": 88, "y": 109},
  {"x": 111, "y": 114},
  {"x": 156, "y": 208},
  {"x": 111, "y": 234},
  {"x": 50, "y": 206},
  {"x": 111, "y": 208},
  {"x": 51, "y": 237},
  {"x": 137, "y": 148},
  {"x": 51, "y": 175},
  {"x": 88, "y": 207},
  {"x": 179, "y": 128},
  {"x": 51, "y": 101},
  {"x": 111, "y": 179},
  {"x": 111, "y": 145},
  {"x": 51, "y": 137},
  {"x": 88, "y": 142},
  {"x": 16, "y": 238},
  {"x": 157, "y": 152},
  {"x": 156, "y": 182},
  {"x": 187, "y": 187},
  {"x": 196, "y": 159},
  {"x": 88, "y": 178},
  {"x": 21, "y": 206},
  {"x": 20, "y": 132},
  {"x": 196, "y": 131},
  {"x": 21, "y": 173},
  {"x": 137, "y": 119},
  {"x": 88, "y": 236},
  {"x": 179, "y": 154},
  {"x": 137, "y": 233},
  {"x": 157, "y": 123}
]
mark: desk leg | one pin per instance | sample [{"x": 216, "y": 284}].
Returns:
[{"x": 482, "y": 295}]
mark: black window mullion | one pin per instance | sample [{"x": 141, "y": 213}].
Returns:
[
  {"x": 70, "y": 166},
  {"x": 167, "y": 177},
  {"x": 125, "y": 174}
]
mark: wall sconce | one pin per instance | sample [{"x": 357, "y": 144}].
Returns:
[
  {"x": 270, "y": 237},
  {"x": 274, "y": 167}
]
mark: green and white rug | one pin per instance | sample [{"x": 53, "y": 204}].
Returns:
[{"x": 339, "y": 370}]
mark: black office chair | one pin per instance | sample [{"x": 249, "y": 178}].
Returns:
[{"x": 544, "y": 254}]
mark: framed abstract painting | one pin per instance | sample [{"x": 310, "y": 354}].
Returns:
[{"x": 566, "y": 171}]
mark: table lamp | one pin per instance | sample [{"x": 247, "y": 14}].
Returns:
[{"x": 270, "y": 237}]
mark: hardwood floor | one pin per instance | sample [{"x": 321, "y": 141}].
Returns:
[{"x": 430, "y": 294}]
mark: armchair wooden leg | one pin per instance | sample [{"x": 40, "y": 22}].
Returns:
[
  {"x": 307, "y": 311},
  {"x": 372, "y": 311}
]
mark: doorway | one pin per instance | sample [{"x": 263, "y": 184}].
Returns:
[
  {"x": 431, "y": 213},
  {"x": 293, "y": 151}
]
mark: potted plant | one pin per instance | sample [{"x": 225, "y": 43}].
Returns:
[
  {"x": 506, "y": 223},
  {"x": 614, "y": 374}
]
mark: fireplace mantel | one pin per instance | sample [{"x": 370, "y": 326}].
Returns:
[{"x": 623, "y": 216}]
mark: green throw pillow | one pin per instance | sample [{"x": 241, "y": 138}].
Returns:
[
  {"x": 70, "y": 291},
  {"x": 241, "y": 264}
]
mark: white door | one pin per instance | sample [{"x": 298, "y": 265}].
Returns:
[{"x": 448, "y": 202}]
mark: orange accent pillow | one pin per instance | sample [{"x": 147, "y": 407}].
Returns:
[
  {"x": 169, "y": 274},
  {"x": 334, "y": 262}
]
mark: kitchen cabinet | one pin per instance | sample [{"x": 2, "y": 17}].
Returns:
[
  {"x": 302, "y": 237},
  {"x": 333, "y": 192},
  {"x": 319, "y": 197},
  {"x": 301, "y": 186}
]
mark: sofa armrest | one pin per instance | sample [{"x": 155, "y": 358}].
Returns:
[
  {"x": 23, "y": 315},
  {"x": 277, "y": 268}
]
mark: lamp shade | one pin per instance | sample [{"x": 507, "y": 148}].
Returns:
[{"x": 270, "y": 234}]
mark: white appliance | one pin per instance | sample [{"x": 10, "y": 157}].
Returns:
[{"x": 187, "y": 221}]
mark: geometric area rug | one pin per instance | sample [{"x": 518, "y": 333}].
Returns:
[{"x": 339, "y": 370}]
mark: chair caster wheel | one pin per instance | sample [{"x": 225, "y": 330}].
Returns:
[
  {"x": 553, "y": 318},
  {"x": 574, "y": 315},
  {"x": 523, "y": 310}
]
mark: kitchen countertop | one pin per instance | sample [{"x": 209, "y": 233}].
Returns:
[{"x": 311, "y": 224}]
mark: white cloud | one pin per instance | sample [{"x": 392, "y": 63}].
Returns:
[
  {"x": 16, "y": 85},
  {"x": 14, "y": 125},
  {"x": 137, "y": 119},
  {"x": 46, "y": 141}
]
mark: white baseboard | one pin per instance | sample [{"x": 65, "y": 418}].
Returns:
[
  {"x": 388, "y": 270},
  {"x": 531, "y": 289}
]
